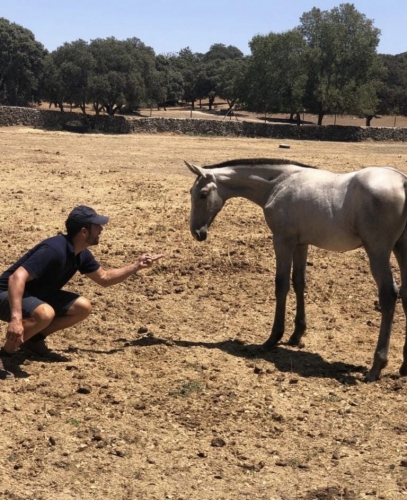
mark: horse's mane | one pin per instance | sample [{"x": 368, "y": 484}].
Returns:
[{"x": 258, "y": 161}]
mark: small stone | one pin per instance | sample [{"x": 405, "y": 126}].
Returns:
[
  {"x": 218, "y": 442},
  {"x": 84, "y": 390}
]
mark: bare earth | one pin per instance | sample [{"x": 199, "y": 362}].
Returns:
[
  {"x": 165, "y": 397},
  {"x": 202, "y": 113}
]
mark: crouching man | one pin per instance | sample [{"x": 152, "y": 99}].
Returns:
[{"x": 32, "y": 301}]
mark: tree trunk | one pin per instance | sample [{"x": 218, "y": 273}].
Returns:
[{"x": 320, "y": 117}]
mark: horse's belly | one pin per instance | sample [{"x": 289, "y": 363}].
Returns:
[{"x": 337, "y": 242}]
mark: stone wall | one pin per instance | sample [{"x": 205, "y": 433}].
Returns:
[{"x": 74, "y": 122}]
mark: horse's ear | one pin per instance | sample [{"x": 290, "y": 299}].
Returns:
[{"x": 200, "y": 172}]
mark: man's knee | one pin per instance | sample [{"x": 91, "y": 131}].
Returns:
[
  {"x": 81, "y": 307},
  {"x": 44, "y": 314}
]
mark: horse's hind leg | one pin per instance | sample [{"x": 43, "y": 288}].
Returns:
[
  {"x": 299, "y": 268},
  {"x": 400, "y": 251},
  {"x": 381, "y": 271}
]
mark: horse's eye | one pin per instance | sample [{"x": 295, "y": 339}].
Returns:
[{"x": 203, "y": 194}]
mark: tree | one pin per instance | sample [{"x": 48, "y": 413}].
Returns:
[
  {"x": 125, "y": 74},
  {"x": 69, "y": 72},
  {"x": 393, "y": 93},
  {"x": 21, "y": 64},
  {"x": 188, "y": 64},
  {"x": 170, "y": 78},
  {"x": 212, "y": 69},
  {"x": 230, "y": 85},
  {"x": 341, "y": 60},
  {"x": 53, "y": 89},
  {"x": 219, "y": 51},
  {"x": 276, "y": 75}
]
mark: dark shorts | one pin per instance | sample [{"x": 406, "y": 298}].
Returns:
[{"x": 60, "y": 302}]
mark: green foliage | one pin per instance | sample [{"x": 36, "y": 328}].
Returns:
[
  {"x": 328, "y": 64},
  {"x": 219, "y": 52},
  {"x": 21, "y": 65},
  {"x": 393, "y": 93},
  {"x": 276, "y": 73},
  {"x": 125, "y": 73},
  {"x": 170, "y": 78},
  {"x": 231, "y": 79},
  {"x": 74, "y": 422},
  {"x": 188, "y": 388},
  {"x": 341, "y": 60},
  {"x": 189, "y": 76}
]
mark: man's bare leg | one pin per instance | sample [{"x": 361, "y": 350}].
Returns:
[
  {"x": 44, "y": 322},
  {"x": 78, "y": 311},
  {"x": 41, "y": 318}
]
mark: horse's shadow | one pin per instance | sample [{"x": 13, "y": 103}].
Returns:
[{"x": 286, "y": 359}]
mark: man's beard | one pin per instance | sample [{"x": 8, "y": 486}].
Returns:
[{"x": 92, "y": 240}]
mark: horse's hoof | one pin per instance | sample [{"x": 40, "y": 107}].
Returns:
[
  {"x": 296, "y": 343},
  {"x": 403, "y": 370},
  {"x": 268, "y": 346},
  {"x": 371, "y": 377}
]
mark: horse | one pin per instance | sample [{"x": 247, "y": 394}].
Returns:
[{"x": 303, "y": 206}]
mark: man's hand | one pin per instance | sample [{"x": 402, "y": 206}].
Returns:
[
  {"x": 147, "y": 259},
  {"x": 15, "y": 332}
]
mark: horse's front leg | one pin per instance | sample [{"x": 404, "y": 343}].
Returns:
[
  {"x": 299, "y": 268},
  {"x": 284, "y": 257},
  {"x": 381, "y": 271}
]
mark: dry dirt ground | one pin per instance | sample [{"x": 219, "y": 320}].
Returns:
[
  {"x": 165, "y": 397},
  {"x": 202, "y": 112},
  {"x": 240, "y": 115}
]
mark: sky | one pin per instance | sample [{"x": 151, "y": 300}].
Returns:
[{"x": 171, "y": 25}]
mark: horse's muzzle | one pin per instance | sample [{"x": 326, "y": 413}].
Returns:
[{"x": 199, "y": 234}]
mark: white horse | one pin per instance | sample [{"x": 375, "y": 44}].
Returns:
[{"x": 306, "y": 206}]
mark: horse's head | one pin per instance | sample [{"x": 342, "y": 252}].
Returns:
[{"x": 205, "y": 201}]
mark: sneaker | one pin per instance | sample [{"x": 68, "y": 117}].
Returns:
[
  {"x": 4, "y": 373},
  {"x": 40, "y": 348}
]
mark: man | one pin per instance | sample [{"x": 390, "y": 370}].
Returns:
[{"x": 31, "y": 297}]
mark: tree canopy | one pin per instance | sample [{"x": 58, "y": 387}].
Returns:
[
  {"x": 21, "y": 64},
  {"x": 342, "y": 61},
  {"x": 327, "y": 64},
  {"x": 276, "y": 73}
]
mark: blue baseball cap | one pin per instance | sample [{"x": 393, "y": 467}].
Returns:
[{"x": 87, "y": 215}]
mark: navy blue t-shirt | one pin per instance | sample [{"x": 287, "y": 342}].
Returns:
[{"x": 52, "y": 263}]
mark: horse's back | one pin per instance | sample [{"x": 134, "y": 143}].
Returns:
[{"x": 340, "y": 212}]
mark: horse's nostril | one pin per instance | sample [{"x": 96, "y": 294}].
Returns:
[{"x": 199, "y": 235}]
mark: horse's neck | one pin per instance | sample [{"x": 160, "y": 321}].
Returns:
[{"x": 252, "y": 183}]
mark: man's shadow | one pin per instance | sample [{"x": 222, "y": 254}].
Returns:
[
  {"x": 15, "y": 362},
  {"x": 286, "y": 359},
  {"x": 22, "y": 357}
]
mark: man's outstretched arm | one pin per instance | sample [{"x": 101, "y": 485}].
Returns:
[{"x": 109, "y": 277}]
